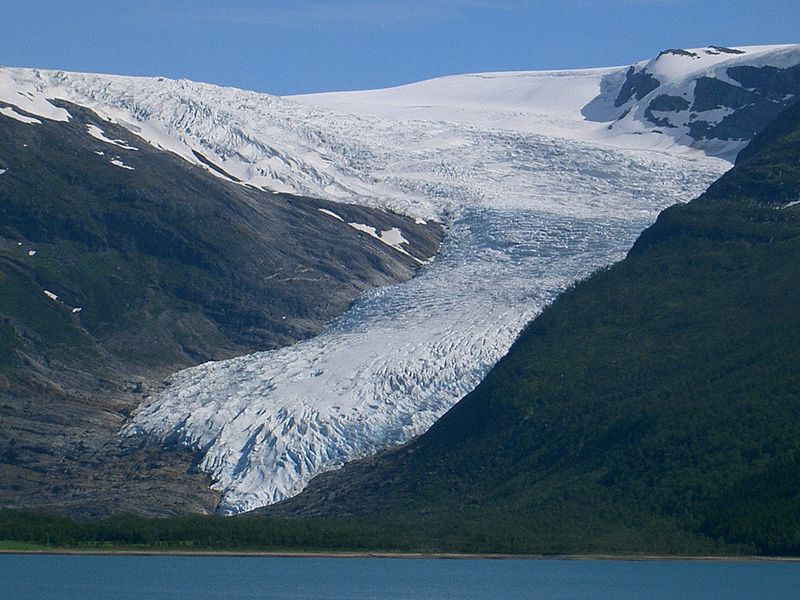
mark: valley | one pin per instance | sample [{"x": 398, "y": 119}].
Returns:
[{"x": 539, "y": 179}]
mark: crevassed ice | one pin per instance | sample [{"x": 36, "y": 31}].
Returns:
[
  {"x": 533, "y": 197},
  {"x": 532, "y": 215}
]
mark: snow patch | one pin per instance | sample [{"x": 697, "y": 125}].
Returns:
[
  {"x": 791, "y": 204},
  {"x": 715, "y": 116},
  {"x": 3, "y": 171},
  {"x": 52, "y": 296},
  {"x": 330, "y": 213},
  {"x": 31, "y": 252},
  {"x": 118, "y": 163},
  {"x": 24, "y": 89},
  {"x": 391, "y": 237},
  {"x": 365, "y": 229},
  {"x": 10, "y": 112},
  {"x": 99, "y": 134}
]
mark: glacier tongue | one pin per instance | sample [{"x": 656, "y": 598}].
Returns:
[
  {"x": 549, "y": 211},
  {"x": 540, "y": 178}
]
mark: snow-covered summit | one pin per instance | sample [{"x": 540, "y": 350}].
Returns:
[
  {"x": 714, "y": 98},
  {"x": 616, "y": 105},
  {"x": 541, "y": 178}
]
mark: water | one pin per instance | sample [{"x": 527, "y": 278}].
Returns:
[{"x": 24, "y": 577}]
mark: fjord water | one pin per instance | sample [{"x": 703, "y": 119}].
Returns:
[{"x": 203, "y": 578}]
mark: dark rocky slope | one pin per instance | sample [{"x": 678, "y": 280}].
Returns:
[{"x": 156, "y": 265}]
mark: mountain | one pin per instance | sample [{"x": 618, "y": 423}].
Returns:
[
  {"x": 534, "y": 195},
  {"x": 651, "y": 408},
  {"x": 538, "y": 178},
  {"x": 122, "y": 263}
]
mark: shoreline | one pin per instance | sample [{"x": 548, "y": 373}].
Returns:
[{"x": 402, "y": 555}]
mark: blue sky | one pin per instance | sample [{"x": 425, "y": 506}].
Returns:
[{"x": 285, "y": 47}]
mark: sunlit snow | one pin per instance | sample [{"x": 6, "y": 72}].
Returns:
[
  {"x": 99, "y": 134},
  {"x": 118, "y": 163},
  {"x": 21, "y": 88},
  {"x": 330, "y": 213},
  {"x": 10, "y": 112},
  {"x": 391, "y": 237}
]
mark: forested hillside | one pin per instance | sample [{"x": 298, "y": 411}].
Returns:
[{"x": 653, "y": 407}]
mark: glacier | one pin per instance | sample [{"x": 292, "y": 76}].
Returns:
[{"x": 540, "y": 178}]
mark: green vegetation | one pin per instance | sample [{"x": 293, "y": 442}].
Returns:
[
  {"x": 11, "y": 545},
  {"x": 23, "y": 530},
  {"x": 36, "y": 531}
]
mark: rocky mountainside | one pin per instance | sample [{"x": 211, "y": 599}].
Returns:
[
  {"x": 122, "y": 263},
  {"x": 713, "y": 98},
  {"x": 653, "y": 407}
]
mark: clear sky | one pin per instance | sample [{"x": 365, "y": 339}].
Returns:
[{"x": 285, "y": 47}]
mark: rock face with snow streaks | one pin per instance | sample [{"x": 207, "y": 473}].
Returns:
[
  {"x": 121, "y": 264},
  {"x": 714, "y": 98}
]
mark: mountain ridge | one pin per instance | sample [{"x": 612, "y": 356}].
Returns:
[{"x": 121, "y": 264}]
